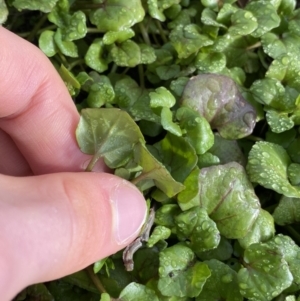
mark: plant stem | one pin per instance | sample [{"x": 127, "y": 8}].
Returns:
[
  {"x": 75, "y": 63},
  {"x": 256, "y": 45},
  {"x": 36, "y": 27},
  {"x": 254, "y": 138},
  {"x": 95, "y": 279},
  {"x": 161, "y": 31},
  {"x": 144, "y": 33},
  {"x": 92, "y": 163}
]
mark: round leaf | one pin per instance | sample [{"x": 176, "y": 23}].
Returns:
[
  {"x": 243, "y": 23},
  {"x": 267, "y": 166},
  {"x": 135, "y": 291},
  {"x": 265, "y": 275},
  {"x": 179, "y": 275},
  {"x": 217, "y": 98},
  {"x": 107, "y": 133},
  {"x": 117, "y": 15}
]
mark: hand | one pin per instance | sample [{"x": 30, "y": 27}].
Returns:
[{"x": 54, "y": 219}]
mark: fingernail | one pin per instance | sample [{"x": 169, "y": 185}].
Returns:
[{"x": 130, "y": 212}]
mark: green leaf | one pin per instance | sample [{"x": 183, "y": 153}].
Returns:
[
  {"x": 129, "y": 96},
  {"x": 266, "y": 16},
  {"x": 167, "y": 72},
  {"x": 219, "y": 189},
  {"x": 100, "y": 92},
  {"x": 222, "y": 284},
  {"x": 154, "y": 170},
  {"x": 156, "y": 8},
  {"x": 3, "y": 12},
  {"x": 43, "y": 5},
  {"x": 105, "y": 297},
  {"x": 167, "y": 122},
  {"x": 117, "y": 15},
  {"x": 69, "y": 79},
  {"x": 46, "y": 43},
  {"x": 272, "y": 93},
  {"x": 177, "y": 85},
  {"x": 111, "y": 37},
  {"x": 197, "y": 130},
  {"x": 207, "y": 160},
  {"x": 267, "y": 166},
  {"x": 189, "y": 197},
  {"x": 266, "y": 274},
  {"x": 130, "y": 54},
  {"x": 279, "y": 122},
  {"x": 98, "y": 265},
  {"x": 225, "y": 187},
  {"x": 278, "y": 68},
  {"x": 243, "y": 23},
  {"x": 208, "y": 17},
  {"x": 188, "y": 40},
  {"x": 126, "y": 54},
  {"x": 262, "y": 230},
  {"x": 136, "y": 291},
  {"x": 238, "y": 51},
  {"x": 195, "y": 226},
  {"x": 273, "y": 45},
  {"x": 94, "y": 57},
  {"x": 287, "y": 212},
  {"x": 213, "y": 4},
  {"x": 283, "y": 139},
  {"x": 293, "y": 150},
  {"x": 294, "y": 23},
  {"x": 107, "y": 133},
  {"x": 165, "y": 216},
  {"x": 179, "y": 274},
  {"x": 177, "y": 155},
  {"x": 146, "y": 262},
  {"x": 67, "y": 48},
  {"x": 287, "y": 6},
  {"x": 212, "y": 62},
  {"x": 159, "y": 233},
  {"x": 227, "y": 151},
  {"x": 225, "y": 13},
  {"x": 161, "y": 98},
  {"x": 294, "y": 173},
  {"x": 217, "y": 98},
  {"x": 222, "y": 252}
]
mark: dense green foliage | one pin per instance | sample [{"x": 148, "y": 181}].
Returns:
[{"x": 198, "y": 101}]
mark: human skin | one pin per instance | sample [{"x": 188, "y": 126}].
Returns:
[{"x": 54, "y": 218}]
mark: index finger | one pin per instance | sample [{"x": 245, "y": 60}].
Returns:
[{"x": 36, "y": 109}]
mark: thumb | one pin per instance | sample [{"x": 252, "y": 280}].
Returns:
[{"x": 55, "y": 224}]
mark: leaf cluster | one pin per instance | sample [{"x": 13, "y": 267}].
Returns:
[{"x": 197, "y": 103}]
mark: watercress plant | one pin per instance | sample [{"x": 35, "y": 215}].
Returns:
[{"x": 197, "y": 103}]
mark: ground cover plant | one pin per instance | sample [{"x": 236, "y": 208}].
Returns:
[{"x": 197, "y": 103}]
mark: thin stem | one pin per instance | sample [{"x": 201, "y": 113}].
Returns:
[
  {"x": 92, "y": 163},
  {"x": 95, "y": 279},
  {"x": 36, "y": 28},
  {"x": 75, "y": 63},
  {"x": 256, "y": 45},
  {"x": 144, "y": 33},
  {"x": 139, "y": 178},
  {"x": 93, "y": 30},
  {"x": 113, "y": 68},
  {"x": 26, "y": 34},
  {"x": 161, "y": 31},
  {"x": 63, "y": 59},
  {"x": 254, "y": 138}
]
